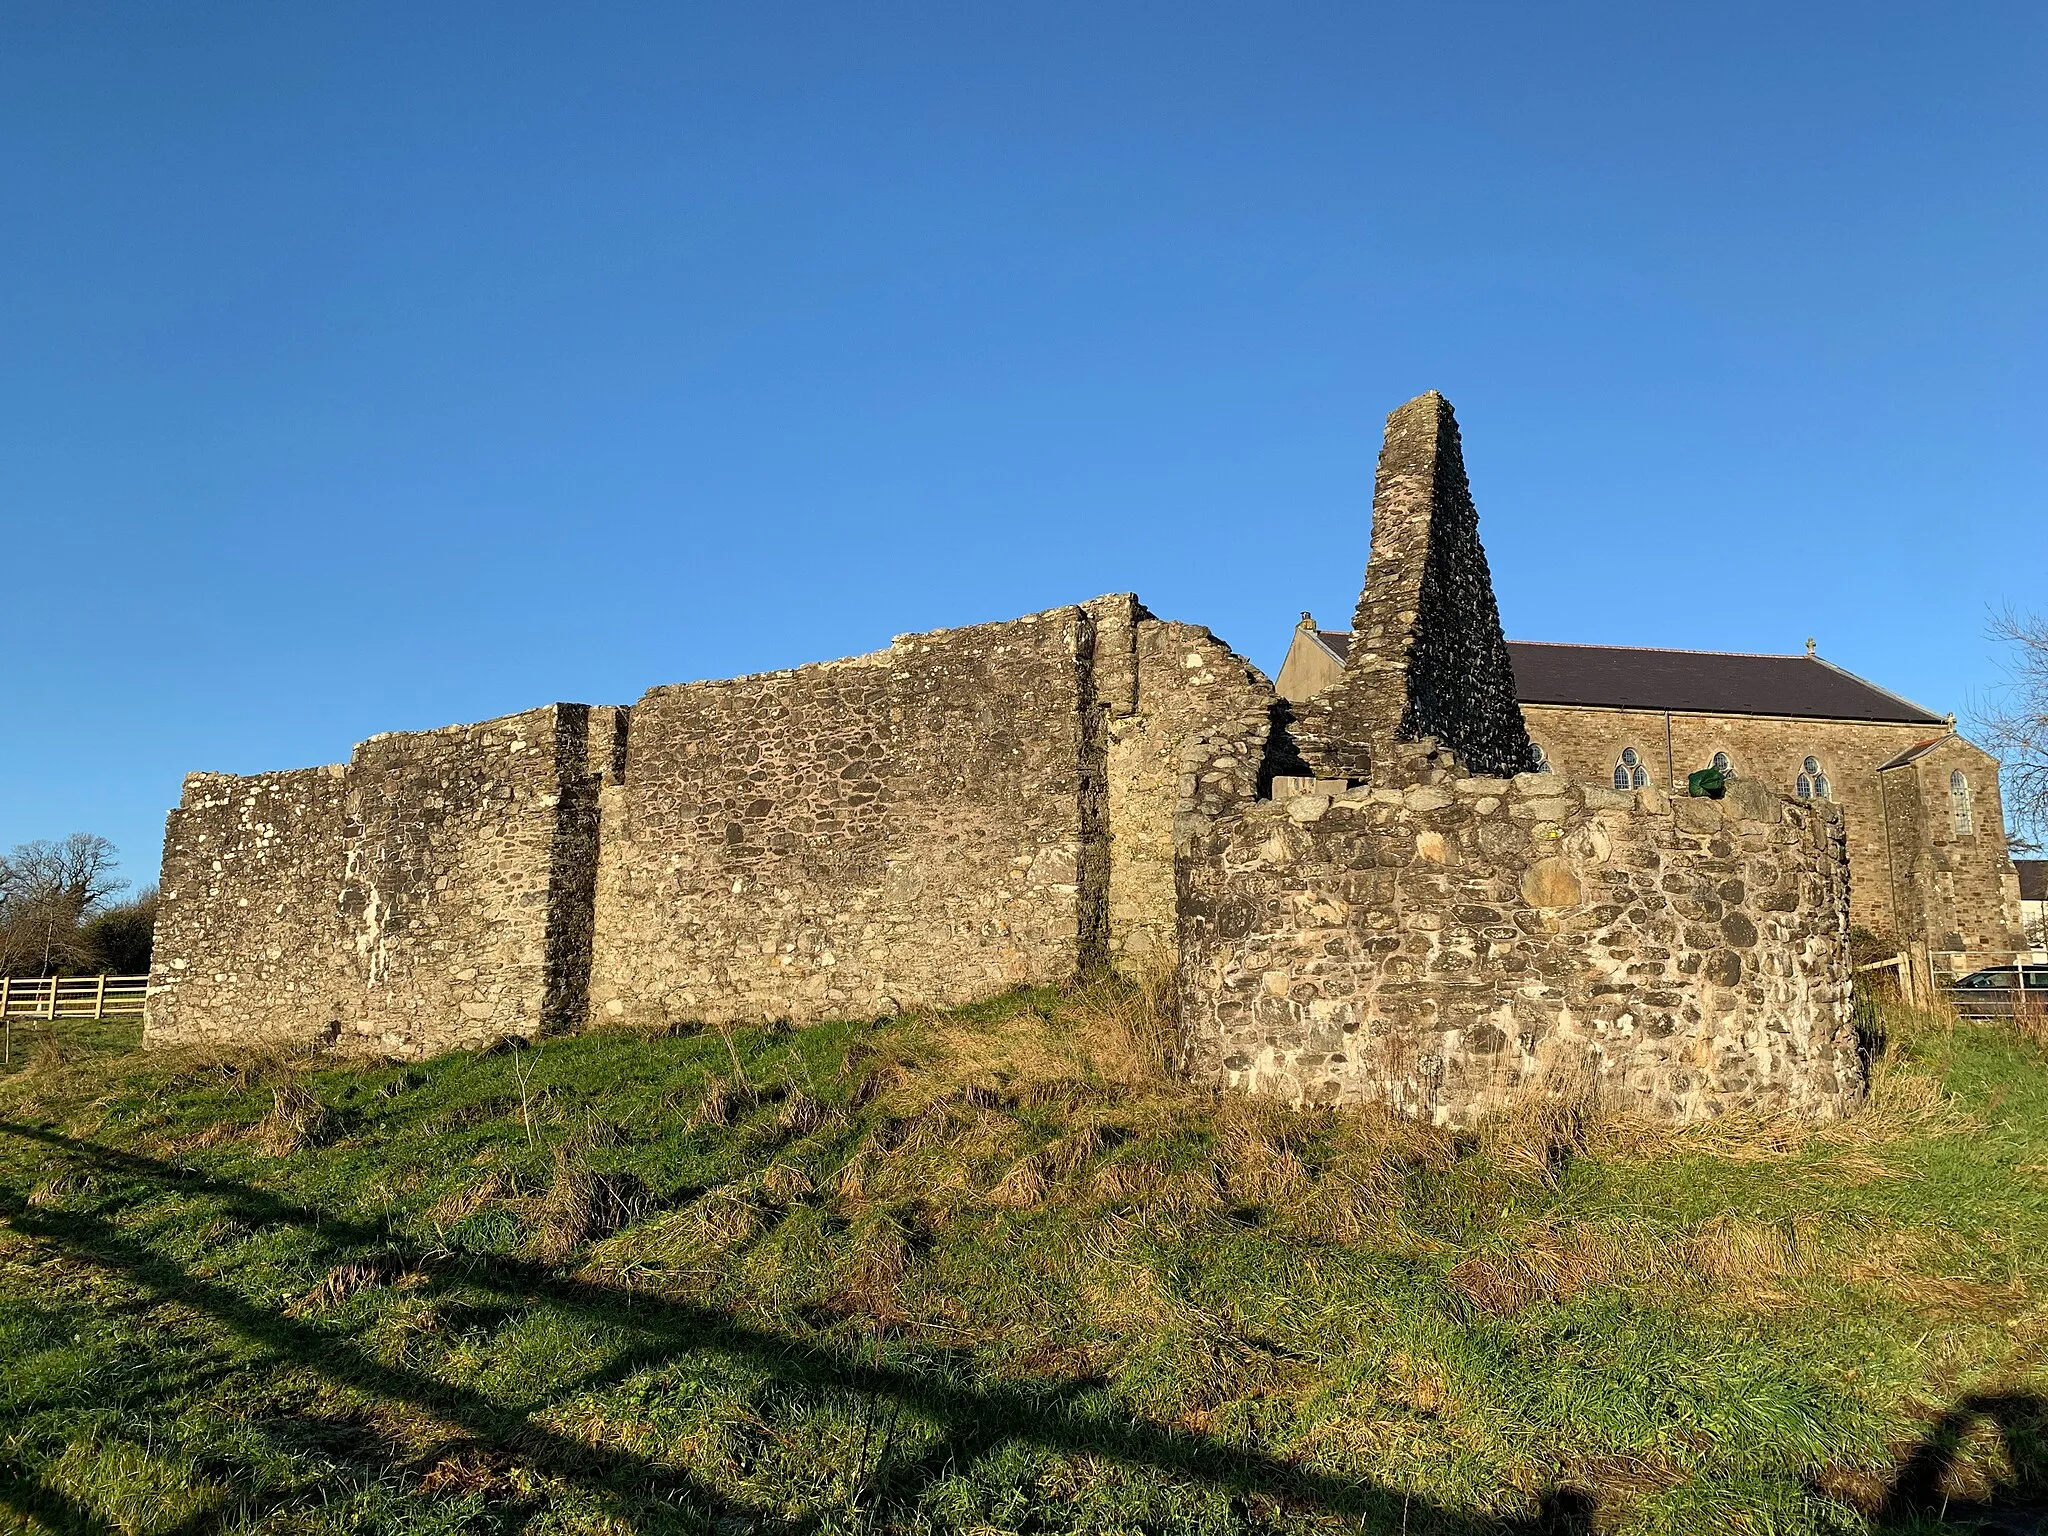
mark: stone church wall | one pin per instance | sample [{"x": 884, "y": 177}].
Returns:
[
  {"x": 1583, "y": 742},
  {"x": 433, "y": 892},
  {"x": 1956, "y": 892}
]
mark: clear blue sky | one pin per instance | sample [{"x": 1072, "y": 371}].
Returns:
[{"x": 379, "y": 367}]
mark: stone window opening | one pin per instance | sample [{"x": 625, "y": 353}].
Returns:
[
  {"x": 1629, "y": 773},
  {"x": 1812, "y": 783},
  {"x": 1723, "y": 763},
  {"x": 1959, "y": 803},
  {"x": 1542, "y": 758}
]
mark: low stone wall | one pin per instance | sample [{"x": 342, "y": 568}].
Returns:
[
  {"x": 433, "y": 892},
  {"x": 1448, "y": 946}
]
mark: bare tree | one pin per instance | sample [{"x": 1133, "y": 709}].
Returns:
[
  {"x": 47, "y": 890},
  {"x": 2014, "y": 725}
]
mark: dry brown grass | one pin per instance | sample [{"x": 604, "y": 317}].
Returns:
[
  {"x": 2030, "y": 1018},
  {"x": 59, "y": 1187},
  {"x": 296, "y": 1120},
  {"x": 870, "y": 1273},
  {"x": 367, "y": 1272},
  {"x": 460, "y": 1204},
  {"x": 580, "y": 1205},
  {"x": 1554, "y": 1261},
  {"x": 725, "y": 1100}
]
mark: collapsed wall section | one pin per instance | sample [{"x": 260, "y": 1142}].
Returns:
[
  {"x": 1446, "y": 948},
  {"x": 433, "y": 892}
]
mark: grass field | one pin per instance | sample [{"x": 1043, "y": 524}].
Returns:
[{"x": 990, "y": 1271}]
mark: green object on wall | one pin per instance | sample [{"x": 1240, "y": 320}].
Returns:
[{"x": 1707, "y": 783}]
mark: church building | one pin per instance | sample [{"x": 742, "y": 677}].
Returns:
[{"x": 1929, "y": 865}]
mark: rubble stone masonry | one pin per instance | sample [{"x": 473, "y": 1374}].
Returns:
[
  {"x": 1414, "y": 926},
  {"x": 1367, "y": 899},
  {"x": 1446, "y": 947},
  {"x": 433, "y": 892},
  {"x": 1886, "y": 836},
  {"x": 969, "y": 810}
]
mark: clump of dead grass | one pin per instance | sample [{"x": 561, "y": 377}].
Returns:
[
  {"x": 725, "y": 1100},
  {"x": 370, "y": 1271},
  {"x": 1028, "y": 1183},
  {"x": 459, "y": 1205},
  {"x": 579, "y": 1206},
  {"x": 1555, "y": 1261},
  {"x": 297, "y": 1120},
  {"x": 869, "y": 1276},
  {"x": 60, "y": 1187}
]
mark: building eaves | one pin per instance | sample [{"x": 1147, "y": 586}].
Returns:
[
  {"x": 2033, "y": 878},
  {"x": 1912, "y": 754}
]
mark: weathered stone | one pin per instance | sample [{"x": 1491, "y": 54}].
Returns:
[
  {"x": 1550, "y": 883},
  {"x": 1612, "y": 925}
]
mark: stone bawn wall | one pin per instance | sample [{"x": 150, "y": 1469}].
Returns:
[
  {"x": 970, "y": 810},
  {"x": 1446, "y": 947},
  {"x": 1414, "y": 927},
  {"x": 433, "y": 892}
]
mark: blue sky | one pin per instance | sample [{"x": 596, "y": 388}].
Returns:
[{"x": 378, "y": 367}]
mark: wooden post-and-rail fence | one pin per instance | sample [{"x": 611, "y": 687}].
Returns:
[{"x": 66, "y": 997}]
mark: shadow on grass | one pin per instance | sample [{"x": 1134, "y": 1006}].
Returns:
[
  {"x": 1073, "y": 1417},
  {"x": 2019, "y": 1504}
]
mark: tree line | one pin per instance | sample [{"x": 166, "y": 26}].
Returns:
[{"x": 60, "y": 916}]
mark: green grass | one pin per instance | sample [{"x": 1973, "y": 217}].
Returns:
[{"x": 987, "y": 1272}]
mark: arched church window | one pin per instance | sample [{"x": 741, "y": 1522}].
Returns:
[
  {"x": 1630, "y": 773},
  {"x": 1812, "y": 783},
  {"x": 1723, "y": 763},
  {"x": 1542, "y": 758},
  {"x": 1959, "y": 802}
]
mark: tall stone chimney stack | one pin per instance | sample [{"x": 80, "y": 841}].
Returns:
[{"x": 1428, "y": 658}]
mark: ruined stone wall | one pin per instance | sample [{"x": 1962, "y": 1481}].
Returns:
[
  {"x": 1428, "y": 659},
  {"x": 854, "y": 836},
  {"x": 1413, "y": 927},
  {"x": 1188, "y": 683},
  {"x": 1445, "y": 947},
  {"x": 1584, "y": 743},
  {"x": 433, "y": 892},
  {"x": 967, "y": 811},
  {"x": 249, "y": 942}
]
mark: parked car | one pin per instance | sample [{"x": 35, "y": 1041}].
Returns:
[{"x": 1994, "y": 993}]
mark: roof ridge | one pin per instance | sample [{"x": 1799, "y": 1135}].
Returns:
[
  {"x": 1880, "y": 687},
  {"x": 1676, "y": 650}
]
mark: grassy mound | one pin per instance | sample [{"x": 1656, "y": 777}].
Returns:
[{"x": 992, "y": 1271}]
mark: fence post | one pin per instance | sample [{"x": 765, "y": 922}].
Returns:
[
  {"x": 6, "y": 1022},
  {"x": 99, "y": 998}
]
